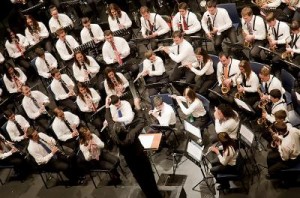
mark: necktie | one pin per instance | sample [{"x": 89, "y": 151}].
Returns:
[
  {"x": 249, "y": 27},
  {"x": 68, "y": 47},
  {"x": 34, "y": 102},
  {"x": 47, "y": 149},
  {"x": 90, "y": 32},
  {"x": 18, "y": 46},
  {"x": 150, "y": 26},
  {"x": 118, "y": 56},
  {"x": 153, "y": 67},
  {"x": 226, "y": 72},
  {"x": 178, "y": 50},
  {"x": 185, "y": 25},
  {"x": 118, "y": 21},
  {"x": 85, "y": 68},
  {"x": 59, "y": 22},
  {"x": 266, "y": 88},
  {"x": 19, "y": 127},
  {"x": 64, "y": 86},
  {"x": 275, "y": 33},
  {"x": 47, "y": 64},
  {"x": 67, "y": 123},
  {"x": 120, "y": 113}
]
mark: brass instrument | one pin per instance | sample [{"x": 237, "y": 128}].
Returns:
[
  {"x": 274, "y": 136},
  {"x": 260, "y": 3},
  {"x": 224, "y": 89},
  {"x": 262, "y": 105},
  {"x": 286, "y": 55},
  {"x": 247, "y": 44},
  {"x": 271, "y": 47},
  {"x": 238, "y": 95}
]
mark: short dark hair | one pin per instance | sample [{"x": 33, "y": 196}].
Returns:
[
  {"x": 211, "y": 3},
  {"x": 39, "y": 51},
  {"x": 114, "y": 99},
  {"x": 177, "y": 34},
  {"x": 270, "y": 17},
  {"x": 108, "y": 32},
  {"x": 295, "y": 25},
  {"x": 275, "y": 93},
  {"x": 30, "y": 131},
  {"x": 227, "y": 55},
  {"x": 280, "y": 127},
  {"x": 183, "y": 5},
  {"x": 54, "y": 71},
  {"x": 8, "y": 113}
]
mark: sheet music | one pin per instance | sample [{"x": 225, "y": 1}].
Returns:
[
  {"x": 246, "y": 134},
  {"x": 242, "y": 104},
  {"x": 146, "y": 140},
  {"x": 297, "y": 96},
  {"x": 194, "y": 150},
  {"x": 192, "y": 129}
]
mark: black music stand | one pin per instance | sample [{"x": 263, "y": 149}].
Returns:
[
  {"x": 291, "y": 63},
  {"x": 244, "y": 106},
  {"x": 237, "y": 50},
  {"x": 165, "y": 129},
  {"x": 218, "y": 94}
]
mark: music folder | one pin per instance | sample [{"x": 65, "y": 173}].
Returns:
[
  {"x": 243, "y": 105},
  {"x": 194, "y": 150},
  {"x": 246, "y": 135}
]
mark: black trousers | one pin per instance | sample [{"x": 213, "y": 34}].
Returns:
[
  {"x": 205, "y": 82},
  {"x": 255, "y": 51},
  {"x": 42, "y": 122},
  {"x": 218, "y": 39},
  {"x": 183, "y": 71},
  {"x": 21, "y": 165},
  {"x": 164, "y": 78},
  {"x": 69, "y": 104},
  {"x": 218, "y": 168}
]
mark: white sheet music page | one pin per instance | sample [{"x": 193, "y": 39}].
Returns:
[
  {"x": 192, "y": 129},
  {"x": 146, "y": 140},
  {"x": 247, "y": 134},
  {"x": 194, "y": 150},
  {"x": 242, "y": 104}
]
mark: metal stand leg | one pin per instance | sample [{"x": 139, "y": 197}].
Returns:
[{"x": 152, "y": 162}]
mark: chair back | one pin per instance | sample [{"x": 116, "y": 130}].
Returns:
[
  {"x": 288, "y": 80},
  {"x": 206, "y": 104},
  {"x": 215, "y": 60},
  {"x": 296, "y": 102},
  {"x": 232, "y": 12},
  {"x": 256, "y": 67},
  {"x": 165, "y": 97}
]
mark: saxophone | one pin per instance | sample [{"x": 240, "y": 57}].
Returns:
[
  {"x": 238, "y": 95},
  {"x": 224, "y": 88},
  {"x": 262, "y": 105},
  {"x": 287, "y": 55}
]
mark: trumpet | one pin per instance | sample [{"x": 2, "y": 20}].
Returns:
[{"x": 224, "y": 88}]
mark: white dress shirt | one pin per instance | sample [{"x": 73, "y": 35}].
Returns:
[
  {"x": 192, "y": 22},
  {"x": 160, "y": 26},
  {"x": 290, "y": 146},
  {"x": 229, "y": 157},
  {"x": 234, "y": 71},
  {"x": 126, "y": 110},
  {"x": 207, "y": 69},
  {"x": 83, "y": 106},
  {"x": 186, "y": 52},
  {"x": 57, "y": 88},
  {"x": 274, "y": 4},
  {"x": 80, "y": 73},
  {"x": 109, "y": 91},
  {"x": 167, "y": 115},
  {"x": 60, "y": 128},
  {"x": 279, "y": 105},
  {"x": 251, "y": 83},
  {"x": 220, "y": 20},
  {"x": 64, "y": 21},
  {"x": 283, "y": 32},
  {"x": 4, "y": 152},
  {"x": 31, "y": 110},
  {"x": 97, "y": 34},
  {"x": 42, "y": 67},
  {"x": 12, "y": 129},
  {"x": 124, "y": 20},
  {"x": 11, "y": 86},
  {"x": 12, "y": 49},
  {"x": 230, "y": 126},
  {"x": 108, "y": 53},
  {"x": 273, "y": 83},
  {"x": 295, "y": 43},
  {"x": 258, "y": 27},
  {"x": 196, "y": 108},
  {"x": 38, "y": 152},
  {"x": 2, "y": 59},
  {"x": 62, "y": 49},
  {"x": 158, "y": 66},
  {"x": 85, "y": 149},
  {"x": 43, "y": 33}
]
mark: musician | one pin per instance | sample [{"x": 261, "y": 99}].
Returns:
[
  {"x": 226, "y": 120},
  {"x": 13, "y": 78},
  {"x": 65, "y": 126},
  {"x": 227, "y": 72},
  {"x": 36, "y": 31},
  {"x": 16, "y": 45},
  {"x": 154, "y": 71},
  {"x": 65, "y": 45},
  {"x": 278, "y": 36},
  {"x": 217, "y": 25},
  {"x": 194, "y": 108},
  {"x": 225, "y": 163},
  {"x": 63, "y": 89},
  {"x": 292, "y": 9},
  {"x": 153, "y": 26},
  {"x": 247, "y": 83},
  {"x": 47, "y": 156},
  {"x": 88, "y": 102},
  {"x": 119, "y": 20},
  {"x": 186, "y": 22},
  {"x": 121, "y": 110},
  {"x": 45, "y": 62},
  {"x": 116, "y": 52},
  {"x": 115, "y": 83},
  {"x": 95, "y": 157},
  {"x": 181, "y": 52},
  {"x": 204, "y": 71},
  {"x": 163, "y": 112},
  {"x": 271, "y": 4},
  {"x": 85, "y": 68},
  {"x": 254, "y": 31},
  {"x": 34, "y": 104},
  {"x": 58, "y": 20},
  {"x": 91, "y": 32}
]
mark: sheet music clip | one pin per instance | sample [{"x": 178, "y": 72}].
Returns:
[
  {"x": 244, "y": 106},
  {"x": 236, "y": 46}
]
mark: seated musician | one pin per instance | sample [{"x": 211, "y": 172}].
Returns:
[
  {"x": 44, "y": 63},
  {"x": 85, "y": 68},
  {"x": 247, "y": 83},
  {"x": 217, "y": 25},
  {"x": 193, "y": 108},
  {"x": 278, "y": 36},
  {"x": 88, "y": 102},
  {"x": 121, "y": 110},
  {"x": 16, "y": 45},
  {"x": 186, "y": 22},
  {"x": 48, "y": 157},
  {"x": 254, "y": 32},
  {"x": 225, "y": 163},
  {"x": 119, "y": 20},
  {"x": 65, "y": 126},
  {"x": 34, "y": 104},
  {"x": 36, "y": 31},
  {"x": 292, "y": 9},
  {"x": 163, "y": 112},
  {"x": 227, "y": 72},
  {"x": 116, "y": 52},
  {"x": 65, "y": 46},
  {"x": 181, "y": 52},
  {"x": 90, "y": 32},
  {"x": 154, "y": 71},
  {"x": 115, "y": 83},
  {"x": 153, "y": 26},
  {"x": 270, "y": 5},
  {"x": 13, "y": 78},
  {"x": 287, "y": 145},
  {"x": 204, "y": 70},
  {"x": 63, "y": 89},
  {"x": 226, "y": 120},
  {"x": 58, "y": 20}
]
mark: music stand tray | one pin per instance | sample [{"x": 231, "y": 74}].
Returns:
[{"x": 220, "y": 95}]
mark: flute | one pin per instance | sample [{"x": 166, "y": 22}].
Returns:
[{"x": 210, "y": 149}]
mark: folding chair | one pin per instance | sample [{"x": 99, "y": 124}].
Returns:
[
  {"x": 288, "y": 83},
  {"x": 256, "y": 67},
  {"x": 232, "y": 12}
]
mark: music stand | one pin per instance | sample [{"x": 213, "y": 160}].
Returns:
[
  {"x": 164, "y": 129},
  {"x": 194, "y": 133},
  {"x": 291, "y": 63},
  {"x": 244, "y": 106},
  {"x": 220, "y": 95},
  {"x": 238, "y": 50}
]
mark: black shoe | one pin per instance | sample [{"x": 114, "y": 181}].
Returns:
[{"x": 114, "y": 182}]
